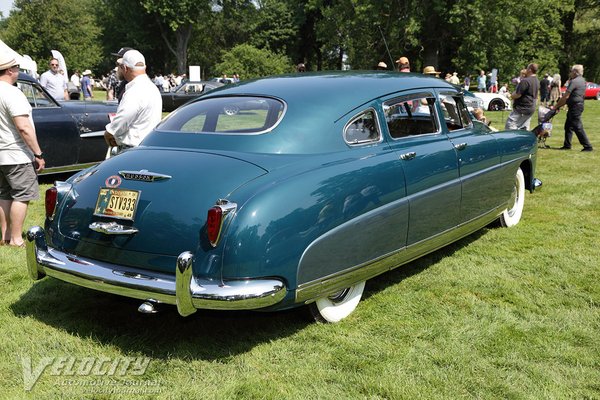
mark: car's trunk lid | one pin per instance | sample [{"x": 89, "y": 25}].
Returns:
[{"x": 164, "y": 195}]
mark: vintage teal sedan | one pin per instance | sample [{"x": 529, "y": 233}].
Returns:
[{"x": 316, "y": 184}]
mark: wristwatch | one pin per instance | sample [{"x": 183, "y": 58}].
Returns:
[{"x": 39, "y": 156}]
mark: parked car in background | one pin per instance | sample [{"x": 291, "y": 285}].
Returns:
[
  {"x": 471, "y": 101},
  {"x": 70, "y": 133},
  {"x": 321, "y": 183},
  {"x": 185, "y": 92},
  {"x": 223, "y": 80},
  {"x": 494, "y": 101},
  {"x": 592, "y": 90}
]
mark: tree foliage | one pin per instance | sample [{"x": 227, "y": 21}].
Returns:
[
  {"x": 35, "y": 27},
  {"x": 452, "y": 35},
  {"x": 250, "y": 62}
]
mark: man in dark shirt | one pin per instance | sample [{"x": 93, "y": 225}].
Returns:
[
  {"x": 574, "y": 97},
  {"x": 119, "y": 89},
  {"x": 525, "y": 98}
]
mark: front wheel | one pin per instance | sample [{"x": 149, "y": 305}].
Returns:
[
  {"x": 512, "y": 215},
  {"x": 337, "y": 306}
]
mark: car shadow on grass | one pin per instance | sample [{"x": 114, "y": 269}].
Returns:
[{"x": 207, "y": 335}]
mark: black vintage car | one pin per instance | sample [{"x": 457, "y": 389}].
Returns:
[
  {"x": 185, "y": 92},
  {"x": 70, "y": 133}
]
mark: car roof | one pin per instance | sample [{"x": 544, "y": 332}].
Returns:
[
  {"x": 337, "y": 91},
  {"x": 26, "y": 77},
  {"x": 317, "y": 106}
]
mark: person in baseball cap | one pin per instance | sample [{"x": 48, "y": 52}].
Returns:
[
  {"x": 134, "y": 59},
  {"x": 120, "y": 87},
  {"x": 139, "y": 111}
]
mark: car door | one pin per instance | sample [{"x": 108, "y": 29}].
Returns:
[
  {"x": 429, "y": 162},
  {"x": 56, "y": 131},
  {"x": 478, "y": 157}
]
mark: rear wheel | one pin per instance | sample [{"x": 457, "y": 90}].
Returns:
[
  {"x": 496, "y": 105},
  {"x": 512, "y": 215},
  {"x": 598, "y": 95},
  {"x": 337, "y": 306}
]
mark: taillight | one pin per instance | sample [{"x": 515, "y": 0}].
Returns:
[
  {"x": 51, "y": 198},
  {"x": 215, "y": 218},
  {"x": 214, "y": 222}
]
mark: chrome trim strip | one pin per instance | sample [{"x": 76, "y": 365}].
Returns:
[
  {"x": 92, "y": 134},
  {"x": 310, "y": 291},
  {"x": 67, "y": 168},
  {"x": 182, "y": 289}
]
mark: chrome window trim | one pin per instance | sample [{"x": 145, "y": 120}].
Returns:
[
  {"x": 283, "y": 112},
  {"x": 377, "y": 125}
]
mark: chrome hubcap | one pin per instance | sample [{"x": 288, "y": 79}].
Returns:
[{"x": 339, "y": 296}]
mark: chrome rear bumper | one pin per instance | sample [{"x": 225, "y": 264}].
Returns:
[{"x": 182, "y": 289}]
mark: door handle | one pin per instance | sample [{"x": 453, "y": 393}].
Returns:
[
  {"x": 460, "y": 146},
  {"x": 408, "y": 156}
]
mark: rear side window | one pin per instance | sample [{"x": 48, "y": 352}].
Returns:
[
  {"x": 410, "y": 116},
  {"x": 362, "y": 128},
  {"x": 226, "y": 115}
]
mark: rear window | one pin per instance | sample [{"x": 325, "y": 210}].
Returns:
[{"x": 227, "y": 115}]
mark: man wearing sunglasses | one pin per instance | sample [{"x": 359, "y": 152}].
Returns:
[
  {"x": 20, "y": 154},
  {"x": 54, "y": 81}
]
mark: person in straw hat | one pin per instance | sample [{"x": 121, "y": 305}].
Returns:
[
  {"x": 382, "y": 66},
  {"x": 86, "y": 85},
  {"x": 403, "y": 64},
  {"x": 430, "y": 70},
  {"x": 20, "y": 154}
]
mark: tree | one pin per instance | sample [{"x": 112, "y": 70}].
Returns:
[
  {"x": 126, "y": 24},
  {"x": 178, "y": 17},
  {"x": 250, "y": 62},
  {"x": 37, "y": 26}
]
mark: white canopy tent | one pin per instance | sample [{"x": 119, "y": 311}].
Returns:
[{"x": 25, "y": 61}]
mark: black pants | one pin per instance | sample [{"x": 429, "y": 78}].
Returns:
[{"x": 573, "y": 124}]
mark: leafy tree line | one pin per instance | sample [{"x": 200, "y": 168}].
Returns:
[{"x": 261, "y": 37}]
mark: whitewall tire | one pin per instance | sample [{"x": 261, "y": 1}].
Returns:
[
  {"x": 512, "y": 215},
  {"x": 338, "y": 305}
]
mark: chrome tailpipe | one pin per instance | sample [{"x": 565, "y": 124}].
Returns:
[{"x": 149, "y": 307}]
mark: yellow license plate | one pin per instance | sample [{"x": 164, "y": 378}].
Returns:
[{"x": 117, "y": 203}]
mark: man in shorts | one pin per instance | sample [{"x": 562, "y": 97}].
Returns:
[{"x": 20, "y": 154}]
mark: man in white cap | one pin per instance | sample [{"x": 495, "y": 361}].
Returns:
[
  {"x": 20, "y": 154},
  {"x": 140, "y": 109},
  {"x": 54, "y": 81}
]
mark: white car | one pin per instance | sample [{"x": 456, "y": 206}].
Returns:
[{"x": 494, "y": 101}]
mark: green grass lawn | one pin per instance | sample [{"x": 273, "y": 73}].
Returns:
[{"x": 504, "y": 313}]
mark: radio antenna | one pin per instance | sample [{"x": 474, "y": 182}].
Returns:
[{"x": 386, "y": 46}]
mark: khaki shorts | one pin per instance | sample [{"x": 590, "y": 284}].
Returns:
[{"x": 18, "y": 182}]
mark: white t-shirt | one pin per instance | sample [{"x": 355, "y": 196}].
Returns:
[
  {"x": 13, "y": 103},
  {"x": 139, "y": 111}
]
